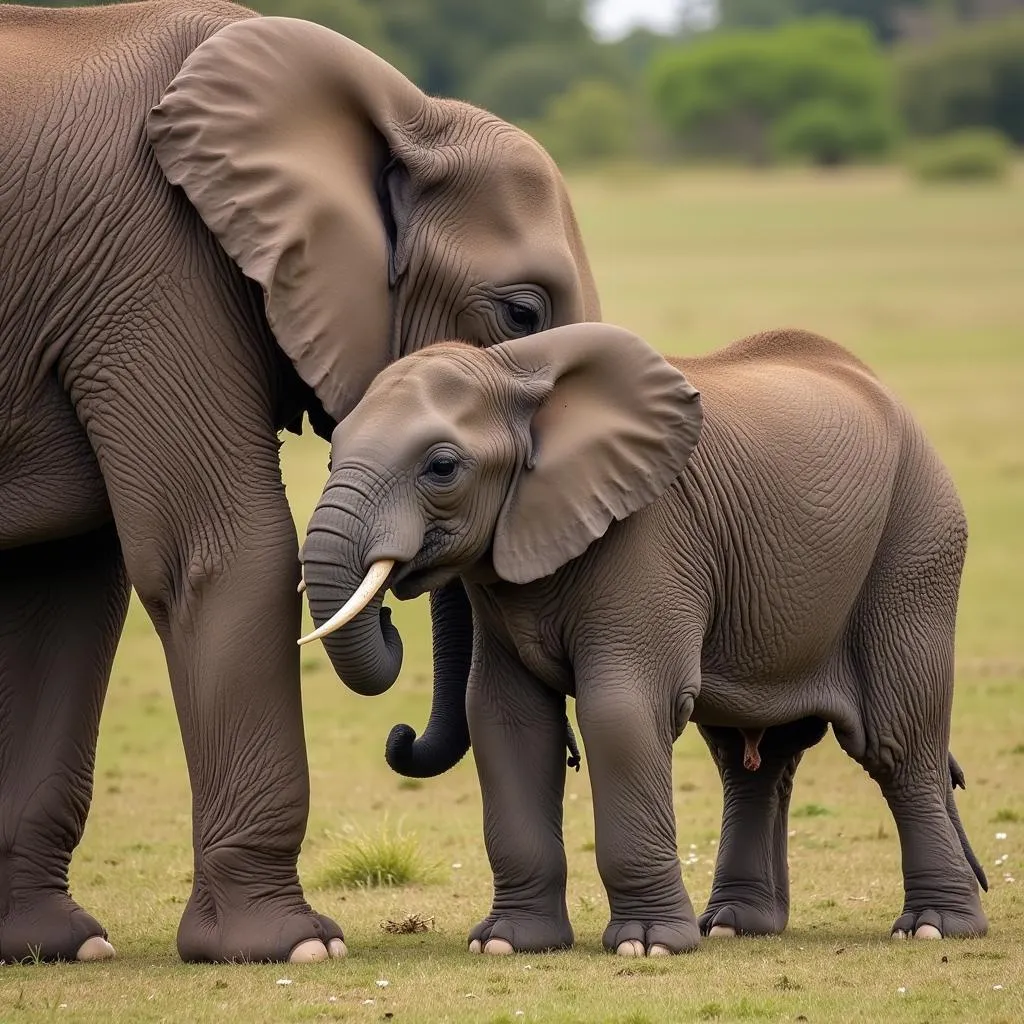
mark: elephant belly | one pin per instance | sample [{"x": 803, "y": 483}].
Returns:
[
  {"x": 50, "y": 482},
  {"x": 741, "y": 702}
]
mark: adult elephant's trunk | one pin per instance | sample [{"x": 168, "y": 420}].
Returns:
[
  {"x": 366, "y": 652},
  {"x": 446, "y": 738}
]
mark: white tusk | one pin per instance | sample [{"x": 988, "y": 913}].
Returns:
[
  {"x": 302, "y": 582},
  {"x": 375, "y": 577}
]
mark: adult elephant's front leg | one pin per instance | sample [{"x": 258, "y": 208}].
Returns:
[
  {"x": 183, "y": 430},
  {"x": 750, "y": 892},
  {"x": 517, "y": 727},
  {"x": 230, "y": 643}
]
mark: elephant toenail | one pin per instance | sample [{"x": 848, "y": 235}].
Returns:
[
  {"x": 927, "y": 931},
  {"x": 899, "y": 934},
  {"x": 630, "y": 947},
  {"x": 659, "y": 950},
  {"x": 475, "y": 946},
  {"x": 337, "y": 949},
  {"x": 722, "y": 931},
  {"x": 95, "y": 948},
  {"x": 308, "y": 952},
  {"x": 498, "y": 947}
]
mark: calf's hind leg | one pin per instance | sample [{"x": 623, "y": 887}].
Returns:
[
  {"x": 750, "y": 892},
  {"x": 903, "y": 662},
  {"x": 62, "y": 608}
]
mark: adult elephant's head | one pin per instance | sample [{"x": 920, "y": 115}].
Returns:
[
  {"x": 496, "y": 464},
  {"x": 375, "y": 218}
]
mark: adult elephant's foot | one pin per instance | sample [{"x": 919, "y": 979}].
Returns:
[
  {"x": 279, "y": 928},
  {"x": 735, "y": 917},
  {"x": 935, "y": 924},
  {"x": 50, "y": 926},
  {"x": 501, "y": 934},
  {"x": 637, "y": 938}
]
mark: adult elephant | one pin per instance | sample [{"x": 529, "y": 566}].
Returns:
[{"x": 212, "y": 223}]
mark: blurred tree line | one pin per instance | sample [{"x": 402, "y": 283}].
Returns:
[{"x": 825, "y": 81}]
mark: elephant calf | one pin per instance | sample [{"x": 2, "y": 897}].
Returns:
[{"x": 800, "y": 566}]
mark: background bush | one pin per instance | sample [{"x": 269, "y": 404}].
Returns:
[
  {"x": 971, "y": 154},
  {"x": 520, "y": 83},
  {"x": 824, "y": 82},
  {"x": 969, "y": 78},
  {"x": 803, "y": 84},
  {"x": 590, "y": 123},
  {"x": 826, "y": 133}
]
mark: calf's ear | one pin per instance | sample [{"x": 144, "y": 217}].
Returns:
[{"x": 616, "y": 428}]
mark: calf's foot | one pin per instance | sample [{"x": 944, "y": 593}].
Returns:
[
  {"x": 969, "y": 922},
  {"x": 651, "y": 938},
  {"x": 501, "y": 934},
  {"x": 730, "y": 914}
]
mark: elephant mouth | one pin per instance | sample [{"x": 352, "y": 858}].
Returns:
[
  {"x": 375, "y": 583},
  {"x": 409, "y": 582},
  {"x": 404, "y": 581}
]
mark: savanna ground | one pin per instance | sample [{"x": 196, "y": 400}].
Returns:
[{"x": 925, "y": 284}]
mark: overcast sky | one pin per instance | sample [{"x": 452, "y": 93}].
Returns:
[{"x": 614, "y": 18}]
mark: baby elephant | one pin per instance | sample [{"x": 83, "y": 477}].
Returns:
[{"x": 798, "y": 567}]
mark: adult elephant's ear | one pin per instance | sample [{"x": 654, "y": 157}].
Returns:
[
  {"x": 279, "y": 131},
  {"x": 615, "y": 430}
]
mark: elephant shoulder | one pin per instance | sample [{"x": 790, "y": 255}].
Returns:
[
  {"x": 48, "y": 50},
  {"x": 786, "y": 345},
  {"x": 790, "y": 367}
]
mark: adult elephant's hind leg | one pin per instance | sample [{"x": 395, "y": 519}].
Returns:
[
  {"x": 750, "y": 892},
  {"x": 62, "y": 608}
]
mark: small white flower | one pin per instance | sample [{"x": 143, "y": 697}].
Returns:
[
  {"x": 1000, "y": 835},
  {"x": 457, "y": 864},
  {"x": 520, "y": 1013},
  {"x": 332, "y": 999},
  {"x": 997, "y": 988},
  {"x": 469, "y": 995},
  {"x": 902, "y": 990},
  {"x": 383, "y": 983},
  {"x": 1009, "y": 878},
  {"x": 284, "y": 981},
  {"x": 64, "y": 1006},
  {"x": 369, "y": 1002},
  {"x": 693, "y": 846}
]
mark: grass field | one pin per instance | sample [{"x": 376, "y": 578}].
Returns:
[{"x": 925, "y": 284}]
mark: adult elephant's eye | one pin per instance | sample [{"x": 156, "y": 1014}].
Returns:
[
  {"x": 522, "y": 313},
  {"x": 443, "y": 466},
  {"x": 522, "y": 318}
]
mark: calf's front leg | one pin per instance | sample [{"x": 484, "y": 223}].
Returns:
[
  {"x": 628, "y": 734},
  {"x": 517, "y": 729}
]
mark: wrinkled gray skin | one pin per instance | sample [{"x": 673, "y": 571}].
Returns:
[
  {"x": 799, "y": 567},
  {"x": 142, "y": 390}
]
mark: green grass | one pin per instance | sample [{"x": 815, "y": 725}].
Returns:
[
  {"x": 383, "y": 859},
  {"x": 925, "y": 284}
]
